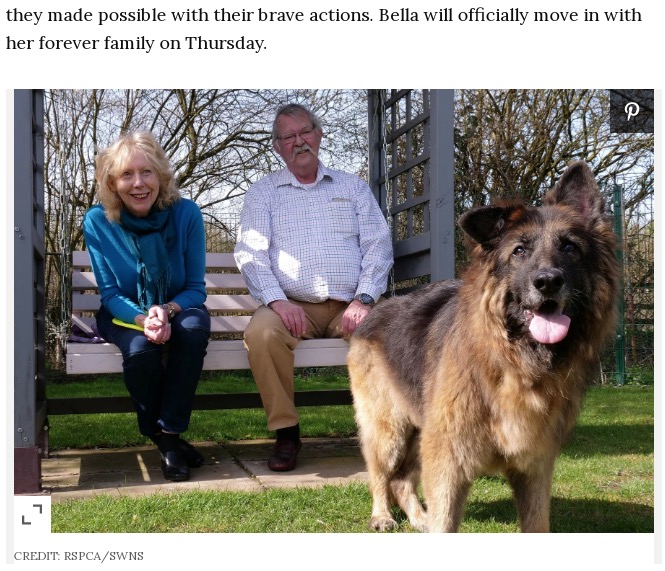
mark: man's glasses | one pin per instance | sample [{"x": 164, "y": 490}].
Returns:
[{"x": 303, "y": 134}]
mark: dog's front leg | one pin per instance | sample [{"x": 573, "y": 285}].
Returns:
[
  {"x": 445, "y": 487},
  {"x": 445, "y": 502},
  {"x": 382, "y": 519},
  {"x": 532, "y": 491}
]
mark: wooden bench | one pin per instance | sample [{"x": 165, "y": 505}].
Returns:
[{"x": 230, "y": 307}]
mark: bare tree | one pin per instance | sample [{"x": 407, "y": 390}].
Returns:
[{"x": 518, "y": 142}]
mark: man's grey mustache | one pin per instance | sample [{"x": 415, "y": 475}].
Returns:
[{"x": 301, "y": 149}]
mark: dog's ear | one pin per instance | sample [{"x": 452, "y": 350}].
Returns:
[
  {"x": 578, "y": 189},
  {"x": 484, "y": 224}
]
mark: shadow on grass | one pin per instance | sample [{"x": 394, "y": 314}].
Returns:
[
  {"x": 573, "y": 516},
  {"x": 611, "y": 440}
]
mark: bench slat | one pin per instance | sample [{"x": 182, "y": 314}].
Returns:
[
  {"x": 85, "y": 302},
  {"x": 218, "y": 324},
  {"x": 221, "y": 260},
  {"x": 229, "y": 302},
  {"x": 214, "y": 302},
  {"x": 81, "y": 259},
  {"x": 93, "y": 358},
  {"x": 85, "y": 280},
  {"x": 225, "y": 282}
]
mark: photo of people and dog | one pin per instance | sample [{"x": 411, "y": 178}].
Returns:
[{"x": 336, "y": 311}]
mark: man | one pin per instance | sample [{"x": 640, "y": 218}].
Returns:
[{"x": 315, "y": 250}]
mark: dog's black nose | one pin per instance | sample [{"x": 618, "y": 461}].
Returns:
[{"x": 548, "y": 280}]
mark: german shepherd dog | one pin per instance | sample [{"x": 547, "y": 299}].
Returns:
[{"x": 486, "y": 374}]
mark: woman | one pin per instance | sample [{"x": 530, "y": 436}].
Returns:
[{"x": 147, "y": 249}]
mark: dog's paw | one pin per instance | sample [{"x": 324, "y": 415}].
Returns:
[
  {"x": 419, "y": 525},
  {"x": 382, "y": 523}
]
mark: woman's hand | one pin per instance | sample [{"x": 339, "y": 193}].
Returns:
[{"x": 156, "y": 326}]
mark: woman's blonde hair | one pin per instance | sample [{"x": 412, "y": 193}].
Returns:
[{"x": 112, "y": 160}]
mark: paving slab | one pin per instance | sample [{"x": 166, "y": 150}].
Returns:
[{"x": 234, "y": 466}]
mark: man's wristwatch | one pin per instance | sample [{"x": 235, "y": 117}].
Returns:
[
  {"x": 365, "y": 299},
  {"x": 170, "y": 310}
]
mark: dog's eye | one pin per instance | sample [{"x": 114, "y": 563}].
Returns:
[
  {"x": 519, "y": 251},
  {"x": 568, "y": 247}
]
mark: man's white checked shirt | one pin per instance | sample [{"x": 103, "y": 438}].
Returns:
[{"x": 328, "y": 241}]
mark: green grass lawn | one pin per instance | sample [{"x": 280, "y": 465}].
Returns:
[
  {"x": 603, "y": 482},
  {"x": 116, "y": 430}
]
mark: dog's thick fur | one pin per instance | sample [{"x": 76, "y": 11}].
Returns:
[{"x": 487, "y": 374}]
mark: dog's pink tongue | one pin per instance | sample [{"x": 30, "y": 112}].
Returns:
[{"x": 549, "y": 327}]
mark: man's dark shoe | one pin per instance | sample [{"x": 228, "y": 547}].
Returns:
[
  {"x": 174, "y": 466},
  {"x": 193, "y": 458},
  {"x": 284, "y": 455}
]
